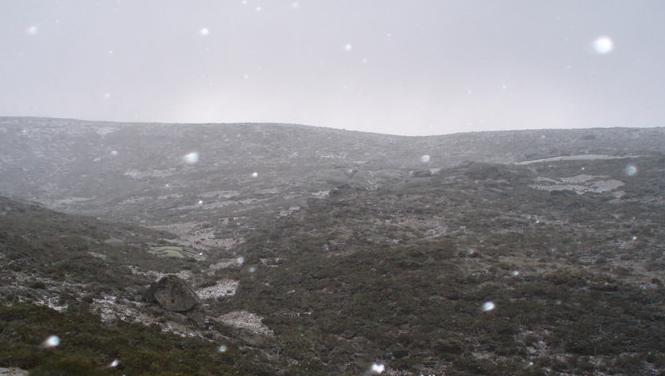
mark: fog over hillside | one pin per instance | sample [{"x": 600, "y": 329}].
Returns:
[
  {"x": 289, "y": 249},
  {"x": 344, "y": 187},
  {"x": 159, "y": 175}
]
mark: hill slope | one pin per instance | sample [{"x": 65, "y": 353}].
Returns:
[
  {"x": 140, "y": 173},
  {"x": 543, "y": 256}
]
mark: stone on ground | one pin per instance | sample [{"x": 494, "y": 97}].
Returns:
[{"x": 172, "y": 294}]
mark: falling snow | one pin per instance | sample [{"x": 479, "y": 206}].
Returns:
[
  {"x": 585, "y": 44},
  {"x": 377, "y": 368},
  {"x": 191, "y": 158},
  {"x": 488, "y": 306},
  {"x": 32, "y": 30},
  {"x": 630, "y": 170},
  {"x": 603, "y": 45},
  {"x": 51, "y": 341}
]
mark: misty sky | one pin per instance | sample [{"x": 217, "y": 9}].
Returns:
[{"x": 403, "y": 67}]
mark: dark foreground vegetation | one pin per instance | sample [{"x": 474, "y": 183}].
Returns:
[{"x": 89, "y": 347}]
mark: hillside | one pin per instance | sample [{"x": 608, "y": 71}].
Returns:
[
  {"x": 82, "y": 280},
  {"x": 521, "y": 253},
  {"x": 401, "y": 274},
  {"x": 240, "y": 173}
]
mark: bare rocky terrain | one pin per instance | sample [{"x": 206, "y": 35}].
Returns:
[{"x": 320, "y": 251}]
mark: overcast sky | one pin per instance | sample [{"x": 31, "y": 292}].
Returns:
[{"x": 403, "y": 67}]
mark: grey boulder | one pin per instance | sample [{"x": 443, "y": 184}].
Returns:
[{"x": 172, "y": 294}]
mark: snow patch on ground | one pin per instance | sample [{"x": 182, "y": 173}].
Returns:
[
  {"x": 170, "y": 196},
  {"x": 103, "y": 131},
  {"x": 52, "y": 302},
  {"x": 111, "y": 309},
  {"x": 151, "y": 274},
  {"x": 138, "y": 175},
  {"x": 220, "y": 194},
  {"x": 225, "y": 264},
  {"x": 225, "y": 287},
  {"x": 66, "y": 201},
  {"x": 321, "y": 194},
  {"x": 246, "y": 321},
  {"x": 13, "y": 372},
  {"x": 98, "y": 255},
  {"x": 200, "y": 236},
  {"x": 579, "y": 184},
  {"x": 289, "y": 211},
  {"x": 578, "y": 179},
  {"x": 579, "y": 157}
]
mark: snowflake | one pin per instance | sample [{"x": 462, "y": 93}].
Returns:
[
  {"x": 377, "y": 368},
  {"x": 603, "y": 45},
  {"x": 51, "y": 341},
  {"x": 191, "y": 158},
  {"x": 630, "y": 170},
  {"x": 32, "y": 30}
]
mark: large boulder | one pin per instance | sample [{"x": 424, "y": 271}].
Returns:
[{"x": 172, "y": 294}]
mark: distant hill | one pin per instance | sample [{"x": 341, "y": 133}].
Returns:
[{"x": 139, "y": 173}]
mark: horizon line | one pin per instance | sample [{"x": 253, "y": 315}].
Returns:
[{"x": 325, "y": 127}]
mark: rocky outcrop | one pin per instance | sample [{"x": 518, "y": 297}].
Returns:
[{"x": 172, "y": 294}]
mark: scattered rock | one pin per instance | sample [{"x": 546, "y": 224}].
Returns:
[
  {"x": 247, "y": 321},
  {"x": 172, "y": 294},
  {"x": 225, "y": 287},
  {"x": 13, "y": 372}
]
